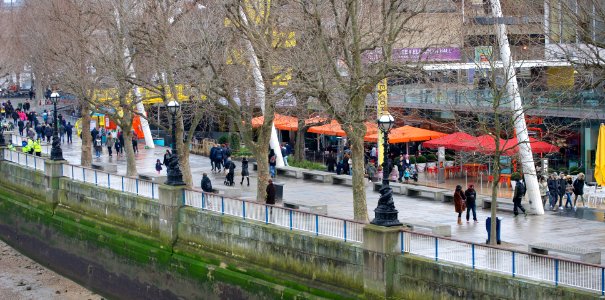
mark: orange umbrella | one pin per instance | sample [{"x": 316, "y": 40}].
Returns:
[
  {"x": 406, "y": 134},
  {"x": 281, "y": 122},
  {"x": 333, "y": 128}
]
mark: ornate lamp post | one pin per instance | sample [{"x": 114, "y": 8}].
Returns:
[
  {"x": 55, "y": 152},
  {"x": 385, "y": 213},
  {"x": 175, "y": 177}
]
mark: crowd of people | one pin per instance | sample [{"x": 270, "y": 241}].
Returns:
[
  {"x": 561, "y": 186},
  {"x": 102, "y": 137}
]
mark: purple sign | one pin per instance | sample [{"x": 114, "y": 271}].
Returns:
[{"x": 415, "y": 54}]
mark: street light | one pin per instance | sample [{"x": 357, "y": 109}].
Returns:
[
  {"x": 175, "y": 177},
  {"x": 385, "y": 213},
  {"x": 55, "y": 152}
]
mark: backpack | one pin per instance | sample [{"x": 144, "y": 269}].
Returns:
[{"x": 272, "y": 160}]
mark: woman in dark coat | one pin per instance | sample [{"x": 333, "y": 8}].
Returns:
[
  {"x": 245, "y": 172},
  {"x": 578, "y": 189},
  {"x": 270, "y": 193},
  {"x": 459, "y": 202}
]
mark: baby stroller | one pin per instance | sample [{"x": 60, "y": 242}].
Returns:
[{"x": 231, "y": 174}]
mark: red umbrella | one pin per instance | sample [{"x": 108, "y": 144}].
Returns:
[
  {"x": 538, "y": 146},
  {"x": 486, "y": 144},
  {"x": 454, "y": 141}
]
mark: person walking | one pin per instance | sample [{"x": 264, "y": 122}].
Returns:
[
  {"x": 561, "y": 192},
  {"x": 345, "y": 165},
  {"x": 543, "y": 186},
  {"x": 568, "y": 191},
  {"x": 578, "y": 190},
  {"x": 48, "y": 132},
  {"x": 166, "y": 157},
  {"x": 218, "y": 158},
  {"x": 272, "y": 163},
  {"x": 110, "y": 143},
  {"x": 118, "y": 147},
  {"x": 284, "y": 154},
  {"x": 245, "y": 173},
  {"x": 212, "y": 157},
  {"x": 158, "y": 166},
  {"x": 206, "y": 184},
  {"x": 459, "y": 202},
  {"x": 470, "y": 196},
  {"x": 518, "y": 196},
  {"x": 69, "y": 132},
  {"x": 135, "y": 143},
  {"x": 97, "y": 146},
  {"x": 21, "y": 126},
  {"x": 553, "y": 190},
  {"x": 371, "y": 171},
  {"x": 121, "y": 139},
  {"x": 270, "y": 193}
]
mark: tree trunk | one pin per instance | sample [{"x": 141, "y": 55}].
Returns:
[
  {"x": 495, "y": 186},
  {"x": 360, "y": 206},
  {"x": 299, "y": 150},
  {"x": 86, "y": 155},
  {"x": 262, "y": 161},
  {"x": 183, "y": 151},
  {"x": 131, "y": 162}
]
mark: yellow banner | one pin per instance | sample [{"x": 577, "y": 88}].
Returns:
[{"x": 382, "y": 106}]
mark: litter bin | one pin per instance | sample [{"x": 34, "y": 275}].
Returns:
[
  {"x": 488, "y": 227},
  {"x": 279, "y": 190}
]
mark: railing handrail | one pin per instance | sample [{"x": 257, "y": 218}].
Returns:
[
  {"x": 499, "y": 248},
  {"x": 272, "y": 205}
]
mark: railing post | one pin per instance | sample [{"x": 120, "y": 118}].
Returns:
[
  {"x": 513, "y": 266},
  {"x": 602, "y": 281},
  {"x": 222, "y": 205},
  {"x": 203, "y": 200},
  {"x": 290, "y": 219},
  {"x": 96, "y": 181},
  {"x": 153, "y": 194},
  {"x": 556, "y": 272},
  {"x": 266, "y": 214},
  {"x": 108, "y": 181},
  {"x": 244, "y": 209},
  {"x": 402, "y": 243},
  {"x": 136, "y": 183},
  {"x": 122, "y": 183},
  {"x": 345, "y": 230},
  {"x": 83, "y": 174},
  {"x": 436, "y": 249},
  {"x": 316, "y": 225},
  {"x": 72, "y": 172},
  {"x": 35, "y": 164},
  {"x": 473, "y": 254}
]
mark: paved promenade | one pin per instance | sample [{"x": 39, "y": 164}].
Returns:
[{"x": 517, "y": 232}]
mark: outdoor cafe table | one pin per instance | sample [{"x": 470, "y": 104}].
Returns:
[{"x": 473, "y": 169}]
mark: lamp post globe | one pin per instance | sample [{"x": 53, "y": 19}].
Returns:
[
  {"x": 175, "y": 176},
  {"x": 385, "y": 213},
  {"x": 55, "y": 152}
]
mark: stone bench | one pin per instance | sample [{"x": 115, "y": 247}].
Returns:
[
  {"x": 417, "y": 190},
  {"x": 313, "y": 209},
  {"x": 448, "y": 196},
  {"x": 290, "y": 171},
  {"x": 342, "y": 179},
  {"x": 503, "y": 204},
  {"x": 107, "y": 167},
  {"x": 317, "y": 175},
  {"x": 436, "y": 229},
  {"x": 285, "y": 170},
  {"x": 592, "y": 256},
  {"x": 397, "y": 188},
  {"x": 153, "y": 177}
]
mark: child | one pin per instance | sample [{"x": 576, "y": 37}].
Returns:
[
  {"x": 158, "y": 166},
  {"x": 406, "y": 175}
]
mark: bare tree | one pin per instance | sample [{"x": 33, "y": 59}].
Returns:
[{"x": 352, "y": 43}]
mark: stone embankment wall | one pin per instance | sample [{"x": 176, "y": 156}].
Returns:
[{"x": 131, "y": 247}]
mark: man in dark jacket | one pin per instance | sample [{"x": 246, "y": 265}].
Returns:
[
  {"x": 206, "y": 183},
  {"x": 212, "y": 157},
  {"x": 578, "y": 189},
  {"x": 518, "y": 196},
  {"x": 561, "y": 191},
  {"x": 553, "y": 190},
  {"x": 471, "y": 196},
  {"x": 270, "y": 193},
  {"x": 48, "y": 132}
]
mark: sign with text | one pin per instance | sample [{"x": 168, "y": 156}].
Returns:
[{"x": 415, "y": 54}]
